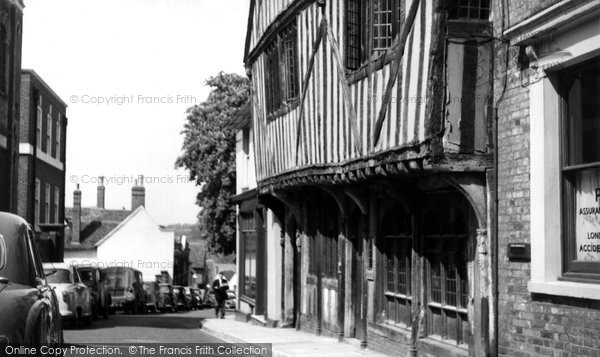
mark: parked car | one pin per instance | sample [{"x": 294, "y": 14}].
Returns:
[
  {"x": 76, "y": 302},
  {"x": 95, "y": 279},
  {"x": 166, "y": 299},
  {"x": 197, "y": 298},
  {"x": 180, "y": 298},
  {"x": 126, "y": 289},
  {"x": 29, "y": 308},
  {"x": 187, "y": 293},
  {"x": 152, "y": 292}
]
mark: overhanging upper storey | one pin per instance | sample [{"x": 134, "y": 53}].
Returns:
[{"x": 344, "y": 89}]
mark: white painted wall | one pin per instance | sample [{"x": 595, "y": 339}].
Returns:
[
  {"x": 140, "y": 244},
  {"x": 246, "y": 176},
  {"x": 273, "y": 266}
]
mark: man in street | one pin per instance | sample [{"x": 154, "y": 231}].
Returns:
[{"x": 220, "y": 287}]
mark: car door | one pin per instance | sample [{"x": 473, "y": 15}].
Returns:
[
  {"x": 41, "y": 320},
  {"x": 82, "y": 293}
]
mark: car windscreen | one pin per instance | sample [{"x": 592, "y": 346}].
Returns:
[
  {"x": 16, "y": 266},
  {"x": 61, "y": 276},
  {"x": 118, "y": 279},
  {"x": 87, "y": 276}
]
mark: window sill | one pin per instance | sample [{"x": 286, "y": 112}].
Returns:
[{"x": 565, "y": 288}]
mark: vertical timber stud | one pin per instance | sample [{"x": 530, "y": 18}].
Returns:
[{"x": 406, "y": 28}]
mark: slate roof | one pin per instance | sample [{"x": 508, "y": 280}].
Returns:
[{"x": 96, "y": 223}]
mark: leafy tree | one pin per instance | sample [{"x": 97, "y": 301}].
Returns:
[{"x": 209, "y": 156}]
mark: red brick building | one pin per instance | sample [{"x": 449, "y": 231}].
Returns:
[
  {"x": 42, "y": 160},
  {"x": 11, "y": 29},
  {"x": 547, "y": 88}
]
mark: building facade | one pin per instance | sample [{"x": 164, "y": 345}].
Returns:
[
  {"x": 548, "y": 116},
  {"x": 42, "y": 162},
  {"x": 11, "y": 31},
  {"x": 373, "y": 145},
  {"x": 258, "y": 238}
]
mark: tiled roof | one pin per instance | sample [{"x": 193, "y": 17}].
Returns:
[{"x": 96, "y": 223}]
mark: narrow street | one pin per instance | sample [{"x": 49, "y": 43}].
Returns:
[{"x": 182, "y": 327}]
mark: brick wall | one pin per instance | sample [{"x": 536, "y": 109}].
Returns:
[{"x": 529, "y": 324}]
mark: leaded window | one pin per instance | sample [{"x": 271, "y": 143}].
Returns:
[
  {"x": 382, "y": 24},
  {"x": 397, "y": 244},
  {"x": 447, "y": 280},
  {"x": 469, "y": 9},
  {"x": 281, "y": 70},
  {"x": 249, "y": 242},
  {"x": 370, "y": 28}
]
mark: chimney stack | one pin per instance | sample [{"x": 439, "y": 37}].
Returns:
[
  {"x": 75, "y": 238},
  {"x": 101, "y": 190},
  {"x": 138, "y": 194}
]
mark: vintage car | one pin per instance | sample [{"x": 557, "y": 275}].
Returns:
[
  {"x": 29, "y": 311},
  {"x": 152, "y": 292},
  {"x": 166, "y": 299},
  {"x": 75, "y": 298},
  {"x": 95, "y": 279},
  {"x": 126, "y": 289},
  {"x": 179, "y": 297},
  {"x": 197, "y": 298}
]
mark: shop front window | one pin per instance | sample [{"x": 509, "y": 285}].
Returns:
[{"x": 579, "y": 87}]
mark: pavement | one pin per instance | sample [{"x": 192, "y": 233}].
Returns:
[{"x": 287, "y": 342}]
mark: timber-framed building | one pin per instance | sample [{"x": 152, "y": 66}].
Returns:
[{"x": 373, "y": 147}]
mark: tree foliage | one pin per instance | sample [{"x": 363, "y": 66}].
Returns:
[{"x": 209, "y": 156}]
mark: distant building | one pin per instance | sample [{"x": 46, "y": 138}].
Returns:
[
  {"x": 42, "y": 160},
  {"x": 104, "y": 237},
  {"x": 11, "y": 30}
]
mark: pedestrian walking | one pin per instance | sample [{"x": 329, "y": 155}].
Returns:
[{"x": 220, "y": 287}]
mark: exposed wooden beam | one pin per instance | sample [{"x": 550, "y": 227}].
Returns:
[
  {"x": 309, "y": 71},
  {"x": 406, "y": 28},
  {"x": 345, "y": 90}
]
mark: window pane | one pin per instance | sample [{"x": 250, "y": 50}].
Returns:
[
  {"x": 587, "y": 215},
  {"x": 353, "y": 34},
  {"x": 436, "y": 281},
  {"x": 584, "y": 116},
  {"x": 382, "y": 24}
]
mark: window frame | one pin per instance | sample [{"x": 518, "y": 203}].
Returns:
[
  {"x": 572, "y": 269},
  {"x": 249, "y": 240},
  {"x": 49, "y": 126},
  {"x": 367, "y": 52},
  {"x": 47, "y": 218},
  {"x": 281, "y": 68},
  {"x": 39, "y": 115},
  {"x": 37, "y": 203},
  {"x": 56, "y": 204},
  {"x": 4, "y": 59},
  {"x": 57, "y": 137}
]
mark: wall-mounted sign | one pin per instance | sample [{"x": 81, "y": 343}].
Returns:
[{"x": 587, "y": 221}]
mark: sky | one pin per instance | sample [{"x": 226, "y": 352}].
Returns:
[{"x": 128, "y": 70}]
